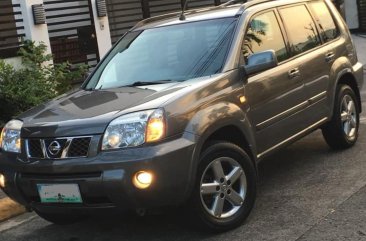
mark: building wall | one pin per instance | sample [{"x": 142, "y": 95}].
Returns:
[{"x": 351, "y": 13}]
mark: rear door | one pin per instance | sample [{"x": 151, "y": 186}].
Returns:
[
  {"x": 311, "y": 58},
  {"x": 276, "y": 96},
  {"x": 333, "y": 48}
]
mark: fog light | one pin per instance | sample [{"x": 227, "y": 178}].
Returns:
[
  {"x": 142, "y": 180},
  {"x": 2, "y": 181}
]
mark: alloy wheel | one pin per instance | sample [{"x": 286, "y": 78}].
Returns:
[
  {"x": 223, "y": 187},
  {"x": 349, "y": 116}
]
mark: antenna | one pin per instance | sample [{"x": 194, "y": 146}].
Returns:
[{"x": 182, "y": 16}]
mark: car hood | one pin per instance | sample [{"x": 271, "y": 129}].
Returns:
[{"x": 85, "y": 112}]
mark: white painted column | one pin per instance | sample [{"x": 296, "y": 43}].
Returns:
[
  {"x": 351, "y": 14},
  {"x": 102, "y": 31},
  {"x": 36, "y": 33}
]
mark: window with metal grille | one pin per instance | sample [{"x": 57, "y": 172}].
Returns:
[{"x": 11, "y": 28}]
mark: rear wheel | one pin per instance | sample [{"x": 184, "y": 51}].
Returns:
[
  {"x": 225, "y": 188},
  {"x": 342, "y": 131}
]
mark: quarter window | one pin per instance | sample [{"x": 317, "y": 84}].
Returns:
[
  {"x": 263, "y": 34},
  {"x": 325, "y": 21},
  {"x": 301, "y": 29}
]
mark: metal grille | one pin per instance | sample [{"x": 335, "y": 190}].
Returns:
[
  {"x": 122, "y": 16},
  {"x": 362, "y": 14},
  {"x": 72, "y": 32},
  {"x": 79, "y": 147},
  {"x": 101, "y": 8},
  {"x": 11, "y": 28},
  {"x": 35, "y": 149},
  {"x": 59, "y": 148},
  {"x": 39, "y": 14}
]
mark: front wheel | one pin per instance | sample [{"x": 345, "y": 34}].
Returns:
[
  {"x": 342, "y": 131},
  {"x": 225, "y": 188}
]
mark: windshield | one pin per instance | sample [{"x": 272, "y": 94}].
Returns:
[{"x": 164, "y": 54}]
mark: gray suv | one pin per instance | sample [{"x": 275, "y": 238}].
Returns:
[{"x": 182, "y": 110}]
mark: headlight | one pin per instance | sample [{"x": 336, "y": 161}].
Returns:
[
  {"x": 134, "y": 129},
  {"x": 10, "y": 136}
]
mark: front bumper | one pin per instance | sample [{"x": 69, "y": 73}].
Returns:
[{"x": 105, "y": 180}]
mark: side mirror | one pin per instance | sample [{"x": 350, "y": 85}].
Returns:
[{"x": 262, "y": 61}]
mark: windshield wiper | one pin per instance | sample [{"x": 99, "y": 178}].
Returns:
[{"x": 143, "y": 83}]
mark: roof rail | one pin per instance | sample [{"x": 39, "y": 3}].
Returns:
[
  {"x": 245, "y": 3},
  {"x": 232, "y": 2}
]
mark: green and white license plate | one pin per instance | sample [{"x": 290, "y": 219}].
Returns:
[{"x": 59, "y": 193}]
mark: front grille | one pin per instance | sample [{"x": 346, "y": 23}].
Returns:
[
  {"x": 35, "y": 149},
  {"x": 58, "y": 148},
  {"x": 79, "y": 147}
]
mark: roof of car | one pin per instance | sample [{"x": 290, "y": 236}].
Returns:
[{"x": 230, "y": 9}]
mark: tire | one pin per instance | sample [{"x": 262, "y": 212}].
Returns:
[
  {"x": 232, "y": 160},
  {"x": 60, "y": 218},
  {"x": 342, "y": 131}
]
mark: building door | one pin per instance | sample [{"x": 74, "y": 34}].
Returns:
[
  {"x": 362, "y": 14},
  {"x": 72, "y": 32}
]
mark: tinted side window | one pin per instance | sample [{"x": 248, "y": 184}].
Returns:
[
  {"x": 300, "y": 28},
  {"x": 263, "y": 34},
  {"x": 326, "y": 23}
]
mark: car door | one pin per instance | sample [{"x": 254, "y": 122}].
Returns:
[
  {"x": 276, "y": 97},
  {"x": 313, "y": 58},
  {"x": 333, "y": 47}
]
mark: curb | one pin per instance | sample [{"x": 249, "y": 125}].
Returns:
[{"x": 9, "y": 209}]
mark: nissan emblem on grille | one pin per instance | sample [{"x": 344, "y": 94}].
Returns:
[{"x": 54, "y": 148}]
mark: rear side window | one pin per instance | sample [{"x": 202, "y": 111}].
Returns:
[
  {"x": 301, "y": 28},
  {"x": 263, "y": 34},
  {"x": 325, "y": 20}
]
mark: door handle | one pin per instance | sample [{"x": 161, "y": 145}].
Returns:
[
  {"x": 294, "y": 73},
  {"x": 329, "y": 57}
]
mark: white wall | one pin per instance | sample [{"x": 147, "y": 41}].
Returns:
[
  {"x": 102, "y": 31},
  {"x": 351, "y": 14},
  {"x": 16, "y": 62},
  {"x": 37, "y": 33}
]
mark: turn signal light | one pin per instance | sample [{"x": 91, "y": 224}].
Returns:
[
  {"x": 155, "y": 129},
  {"x": 142, "y": 180},
  {"x": 2, "y": 181}
]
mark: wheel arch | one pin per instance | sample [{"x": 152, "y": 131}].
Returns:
[
  {"x": 349, "y": 79},
  {"x": 222, "y": 121}
]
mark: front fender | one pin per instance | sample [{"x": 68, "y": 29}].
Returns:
[{"x": 210, "y": 119}]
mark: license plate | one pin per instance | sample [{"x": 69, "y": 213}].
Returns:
[{"x": 59, "y": 193}]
